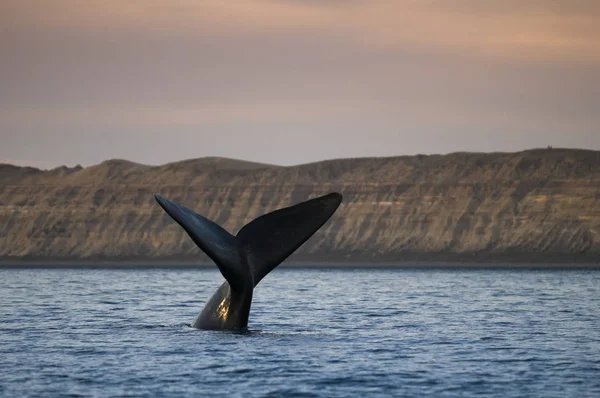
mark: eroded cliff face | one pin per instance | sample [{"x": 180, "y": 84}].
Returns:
[{"x": 527, "y": 205}]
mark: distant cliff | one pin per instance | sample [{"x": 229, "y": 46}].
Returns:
[{"x": 538, "y": 205}]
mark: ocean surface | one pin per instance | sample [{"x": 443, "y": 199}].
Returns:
[{"x": 314, "y": 332}]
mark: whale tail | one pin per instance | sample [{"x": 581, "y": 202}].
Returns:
[{"x": 260, "y": 245}]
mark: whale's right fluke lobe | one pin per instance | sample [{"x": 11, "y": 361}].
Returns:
[{"x": 271, "y": 238}]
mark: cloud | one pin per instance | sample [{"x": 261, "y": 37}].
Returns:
[{"x": 550, "y": 29}]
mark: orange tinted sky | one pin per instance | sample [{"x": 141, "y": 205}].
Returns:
[{"x": 290, "y": 81}]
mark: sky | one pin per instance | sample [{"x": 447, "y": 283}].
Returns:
[{"x": 294, "y": 81}]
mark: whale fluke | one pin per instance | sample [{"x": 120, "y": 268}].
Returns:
[
  {"x": 244, "y": 260},
  {"x": 217, "y": 243},
  {"x": 273, "y": 237}
]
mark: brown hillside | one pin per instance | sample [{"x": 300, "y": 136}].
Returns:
[{"x": 527, "y": 206}]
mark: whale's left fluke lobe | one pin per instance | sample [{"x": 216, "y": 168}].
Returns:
[
  {"x": 245, "y": 259},
  {"x": 217, "y": 243}
]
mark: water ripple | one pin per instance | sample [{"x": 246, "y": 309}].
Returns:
[{"x": 313, "y": 333}]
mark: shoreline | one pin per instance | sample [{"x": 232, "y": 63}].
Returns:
[{"x": 400, "y": 264}]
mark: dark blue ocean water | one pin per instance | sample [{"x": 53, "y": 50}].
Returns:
[{"x": 314, "y": 332}]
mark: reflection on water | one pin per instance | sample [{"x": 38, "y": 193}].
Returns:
[{"x": 313, "y": 332}]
